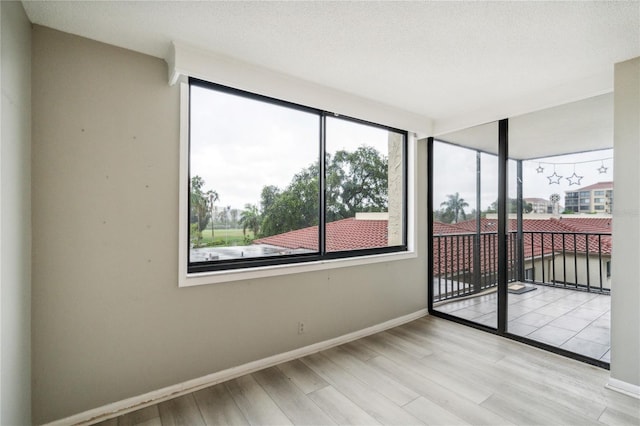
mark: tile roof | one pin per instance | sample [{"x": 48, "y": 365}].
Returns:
[
  {"x": 345, "y": 234},
  {"x": 541, "y": 236},
  {"x": 564, "y": 224},
  {"x": 455, "y": 253}
]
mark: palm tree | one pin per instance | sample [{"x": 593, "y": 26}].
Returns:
[
  {"x": 455, "y": 205},
  {"x": 250, "y": 219},
  {"x": 212, "y": 197},
  {"x": 201, "y": 207}
]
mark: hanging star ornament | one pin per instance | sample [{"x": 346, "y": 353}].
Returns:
[
  {"x": 574, "y": 179},
  {"x": 540, "y": 169},
  {"x": 554, "y": 178},
  {"x": 602, "y": 169}
]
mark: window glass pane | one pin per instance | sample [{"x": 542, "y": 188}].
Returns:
[
  {"x": 465, "y": 225},
  {"x": 254, "y": 178},
  {"x": 364, "y": 186}
]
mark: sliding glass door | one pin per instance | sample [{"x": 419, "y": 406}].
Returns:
[
  {"x": 562, "y": 295},
  {"x": 520, "y": 225},
  {"x": 465, "y": 262}
]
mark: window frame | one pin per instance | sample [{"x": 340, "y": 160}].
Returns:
[{"x": 237, "y": 269}]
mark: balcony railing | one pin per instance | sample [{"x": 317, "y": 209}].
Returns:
[{"x": 467, "y": 264}]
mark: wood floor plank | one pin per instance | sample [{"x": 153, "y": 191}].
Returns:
[
  {"x": 430, "y": 371},
  {"x": 382, "y": 383},
  {"x": 454, "y": 380},
  {"x": 446, "y": 398},
  {"x": 613, "y": 417},
  {"x": 218, "y": 407},
  {"x": 406, "y": 345},
  {"x": 291, "y": 400},
  {"x": 361, "y": 352},
  {"x": 382, "y": 346},
  {"x": 254, "y": 402},
  {"x": 526, "y": 408},
  {"x": 378, "y": 406},
  {"x": 180, "y": 411},
  {"x": 303, "y": 377},
  {"x": 148, "y": 416},
  {"x": 497, "y": 377},
  {"x": 459, "y": 336},
  {"x": 418, "y": 335},
  {"x": 586, "y": 382},
  {"x": 341, "y": 409},
  {"x": 432, "y": 414}
]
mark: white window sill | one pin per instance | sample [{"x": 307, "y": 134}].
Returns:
[{"x": 204, "y": 278}]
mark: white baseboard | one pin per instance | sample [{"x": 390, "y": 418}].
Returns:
[
  {"x": 137, "y": 402},
  {"x": 623, "y": 387}
]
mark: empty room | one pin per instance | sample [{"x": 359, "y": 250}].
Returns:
[{"x": 319, "y": 213}]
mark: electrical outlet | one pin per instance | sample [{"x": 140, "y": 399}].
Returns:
[{"x": 300, "y": 327}]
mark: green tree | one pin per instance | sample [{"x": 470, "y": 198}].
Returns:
[
  {"x": 512, "y": 206},
  {"x": 355, "y": 182},
  {"x": 200, "y": 206},
  {"x": 250, "y": 219},
  {"x": 443, "y": 216},
  {"x": 268, "y": 196},
  {"x": 293, "y": 208},
  {"x": 235, "y": 217},
  {"x": 455, "y": 206}
]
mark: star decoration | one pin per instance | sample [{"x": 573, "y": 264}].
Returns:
[
  {"x": 574, "y": 179},
  {"x": 554, "y": 178},
  {"x": 540, "y": 169},
  {"x": 602, "y": 169}
]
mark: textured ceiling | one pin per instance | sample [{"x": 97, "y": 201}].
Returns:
[{"x": 439, "y": 59}]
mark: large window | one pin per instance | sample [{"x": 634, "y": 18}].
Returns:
[{"x": 272, "y": 182}]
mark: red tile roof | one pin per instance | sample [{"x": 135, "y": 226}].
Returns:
[
  {"x": 345, "y": 234},
  {"x": 440, "y": 228},
  {"x": 541, "y": 236},
  {"x": 306, "y": 238},
  {"x": 564, "y": 224}
]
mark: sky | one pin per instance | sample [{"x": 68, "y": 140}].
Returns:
[
  {"x": 239, "y": 145},
  {"x": 455, "y": 171}
]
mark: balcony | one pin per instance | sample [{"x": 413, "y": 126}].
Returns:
[{"x": 566, "y": 276}]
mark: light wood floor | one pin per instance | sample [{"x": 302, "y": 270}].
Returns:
[{"x": 430, "y": 371}]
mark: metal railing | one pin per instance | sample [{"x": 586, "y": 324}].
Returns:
[
  {"x": 467, "y": 264},
  {"x": 580, "y": 261}
]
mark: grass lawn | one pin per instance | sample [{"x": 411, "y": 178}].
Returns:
[{"x": 226, "y": 237}]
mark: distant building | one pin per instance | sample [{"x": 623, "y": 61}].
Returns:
[
  {"x": 596, "y": 198},
  {"x": 539, "y": 205}
]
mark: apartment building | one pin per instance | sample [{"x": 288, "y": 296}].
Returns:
[
  {"x": 539, "y": 205},
  {"x": 596, "y": 198}
]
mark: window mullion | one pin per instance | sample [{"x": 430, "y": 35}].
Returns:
[{"x": 322, "y": 204}]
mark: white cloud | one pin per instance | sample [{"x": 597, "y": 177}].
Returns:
[{"x": 239, "y": 145}]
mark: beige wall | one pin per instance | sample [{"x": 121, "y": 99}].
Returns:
[
  {"x": 15, "y": 214},
  {"x": 625, "y": 297},
  {"x": 595, "y": 266},
  {"x": 109, "y": 321}
]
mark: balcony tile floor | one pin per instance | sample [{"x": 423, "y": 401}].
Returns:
[{"x": 572, "y": 320}]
